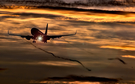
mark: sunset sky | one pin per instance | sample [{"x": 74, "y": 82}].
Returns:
[{"x": 100, "y": 35}]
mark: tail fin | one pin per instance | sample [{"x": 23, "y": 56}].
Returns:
[{"x": 46, "y": 29}]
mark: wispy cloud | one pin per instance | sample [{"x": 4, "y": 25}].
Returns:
[
  {"x": 89, "y": 37},
  {"x": 128, "y": 56},
  {"x": 51, "y": 63},
  {"x": 130, "y": 48},
  {"x": 63, "y": 82},
  {"x": 70, "y": 3},
  {"x": 90, "y": 16}
]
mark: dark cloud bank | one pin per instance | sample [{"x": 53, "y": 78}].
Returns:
[
  {"x": 62, "y": 3},
  {"x": 81, "y": 79},
  {"x": 1, "y": 69}
]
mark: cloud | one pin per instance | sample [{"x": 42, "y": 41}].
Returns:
[
  {"x": 80, "y": 79},
  {"x": 1, "y": 69},
  {"x": 117, "y": 59},
  {"x": 78, "y": 15},
  {"x": 129, "y": 48},
  {"x": 50, "y": 63},
  {"x": 26, "y": 62},
  {"x": 64, "y": 58},
  {"x": 66, "y": 3},
  {"x": 128, "y": 56}
]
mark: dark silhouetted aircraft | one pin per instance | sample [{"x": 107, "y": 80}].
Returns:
[{"x": 38, "y": 35}]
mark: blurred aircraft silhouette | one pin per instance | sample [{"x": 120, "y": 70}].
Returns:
[{"x": 38, "y": 35}]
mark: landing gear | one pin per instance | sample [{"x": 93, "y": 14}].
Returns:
[
  {"x": 34, "y": 41},
  {"x": 45, "y": 42}
]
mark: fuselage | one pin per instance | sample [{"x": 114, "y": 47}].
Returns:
[{"x": 38, "y": 35}]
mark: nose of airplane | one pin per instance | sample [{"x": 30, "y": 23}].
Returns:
[{"x": 34, "y": 30}]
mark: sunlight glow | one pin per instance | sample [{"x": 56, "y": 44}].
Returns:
[{"x": 40, "y": 38}]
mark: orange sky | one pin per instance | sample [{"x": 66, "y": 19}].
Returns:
[
  {"x": 80, "y": 15},
  {"x": 95, "y": 42}
]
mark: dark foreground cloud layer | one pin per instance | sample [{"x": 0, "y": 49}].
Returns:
[
  {"x": 69, "y": 3},
  {"x": 82, "y": 78},
  {"x": 79, "y": 79}
]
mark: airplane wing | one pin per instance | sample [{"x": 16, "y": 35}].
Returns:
[
  {"x": 58, "y": 36},
  {"x": 23, "y": 36}
]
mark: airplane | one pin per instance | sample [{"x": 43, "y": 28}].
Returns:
[{"x": 38, "y": 35}]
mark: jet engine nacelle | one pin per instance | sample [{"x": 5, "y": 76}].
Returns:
[
  {"x": 48, "y": 38},
  {"x": 28, "y": 37},
  {"x": 45, "y": 41}
]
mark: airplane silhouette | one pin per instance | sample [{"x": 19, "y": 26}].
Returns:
[{"x": 38, "y": 35}]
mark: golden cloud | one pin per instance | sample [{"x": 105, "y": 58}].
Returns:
[
  {"x": 64, "y": 82},
  {"x": 52, "y": 63},
  {"x": 130, "y": 48},
  {"x": 128, "y": 56},
  {"x": 80, "y": 15}
]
